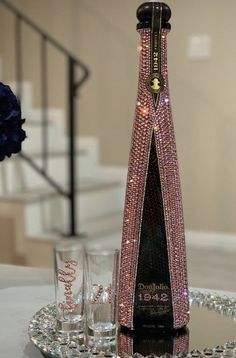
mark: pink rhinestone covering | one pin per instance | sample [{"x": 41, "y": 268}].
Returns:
[
  {"x": 125, "y": 344},
  {"x": 181, "y": 344},
  {"x": 149, "y": 119}
]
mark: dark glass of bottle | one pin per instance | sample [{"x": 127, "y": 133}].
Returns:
[{"x": 153, "y": 288}]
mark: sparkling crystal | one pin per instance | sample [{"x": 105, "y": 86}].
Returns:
[
  {"x": 85, "y": 354},
  {"x": 72, "y": 345},
  {"x": 230, "y": 345},
  {"x": 195, "y": 353},
  {"x": 83, "y": 349},
  {"x": 228, "y": 353},
  {"x": 182, "y": 355},
  {"x": 208, "y": 352},
  {"x": 217, "y": 355},
  {"x": 166, "y": 355},
  {"x": 219, "y": 349},
  {"x": 138, "y": 355}
]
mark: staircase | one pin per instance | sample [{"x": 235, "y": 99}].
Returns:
[
  {"x": 36, "y": 187},
  {"x": 99, "y": 190}
]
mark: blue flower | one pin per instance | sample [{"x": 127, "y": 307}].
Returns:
[{"x": 11, "y": 132}]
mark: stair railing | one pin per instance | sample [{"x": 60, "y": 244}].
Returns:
[{"x": 73, "y": 87}]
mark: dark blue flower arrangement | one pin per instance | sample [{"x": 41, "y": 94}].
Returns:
[{"x": 11, "y": 132}]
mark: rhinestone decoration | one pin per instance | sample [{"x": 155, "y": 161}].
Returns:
[
  {"x": 43, "y": 335},
  {"x": 172, "y": 198},
  {"x": 138, "y": 164},
  {"x": 149, "y": 119}
]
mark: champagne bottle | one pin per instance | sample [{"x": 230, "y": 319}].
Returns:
[{"x": 153, "y": 288}]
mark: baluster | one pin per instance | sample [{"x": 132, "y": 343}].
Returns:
[
  {"x": 71, "y": 148},
  {"x": 44, "y": 102},
  {"x": 18, "y": 56}
]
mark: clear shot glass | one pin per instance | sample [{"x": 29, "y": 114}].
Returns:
[
  {"x": 69, "y": 287},
  {"x": 101, "y": 295}
]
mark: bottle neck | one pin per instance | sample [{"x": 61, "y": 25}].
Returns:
[{"x": 153, "y": 74}]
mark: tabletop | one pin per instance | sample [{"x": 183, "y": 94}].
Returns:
[{"x": 23, "y": 291}]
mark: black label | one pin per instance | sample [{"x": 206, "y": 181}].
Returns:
[
  {"x": 155, "y": 82},
  {"x": 153, "y": 298}
]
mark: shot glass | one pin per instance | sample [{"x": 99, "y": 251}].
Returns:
[
  {"x": 69, "y": 287},
  {"x": 101, "y": 295}
]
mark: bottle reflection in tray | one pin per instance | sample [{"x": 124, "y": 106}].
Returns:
[{"x": 148, "y": 342}]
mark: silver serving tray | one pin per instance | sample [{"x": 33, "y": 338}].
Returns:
[{"x": 43, "y": 335}]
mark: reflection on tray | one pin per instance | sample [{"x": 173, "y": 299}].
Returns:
[{"x": 148, "y": 342}]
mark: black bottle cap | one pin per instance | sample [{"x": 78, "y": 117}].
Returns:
[{"x": 145, "y": 13}]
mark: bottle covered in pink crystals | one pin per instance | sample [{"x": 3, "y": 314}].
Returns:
[{"x": 153, "y": 288}]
